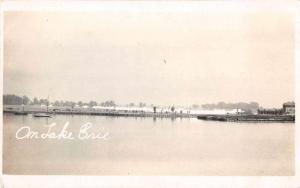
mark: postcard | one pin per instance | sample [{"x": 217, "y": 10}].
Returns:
[{"x": 174, "y": 89}]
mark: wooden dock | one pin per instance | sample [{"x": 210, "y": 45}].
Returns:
[{"x": 112, "y": 113}]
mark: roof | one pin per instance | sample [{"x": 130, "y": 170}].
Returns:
[{"x": 292, "y": 103}]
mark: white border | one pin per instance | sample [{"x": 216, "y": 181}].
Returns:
[
  {"x": 141, "y": 6},
  {"x": 151, "y": 181},
  {"x": 1, "y": 86}
]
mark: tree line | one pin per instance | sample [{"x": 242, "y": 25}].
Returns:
[
  {"x": 19, "y": 100},
  {"x": 11, "y": 99}
]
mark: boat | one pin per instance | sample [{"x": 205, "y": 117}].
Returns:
[
  {"x": 45, "y": 114},
  {"x": 21, "y": 113},
  {"x": 42, "y": 115}
]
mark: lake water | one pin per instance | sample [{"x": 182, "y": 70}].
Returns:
[{"x": 147, "y": 146}]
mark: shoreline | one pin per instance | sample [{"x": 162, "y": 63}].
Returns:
[
  {"x": 110, "y": 113},
  {"x": 204, "y": 117}
]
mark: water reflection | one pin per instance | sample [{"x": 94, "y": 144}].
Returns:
[{"x": 151, "y": 146}]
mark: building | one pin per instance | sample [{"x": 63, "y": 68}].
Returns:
[{"x": 289, "y": 108}]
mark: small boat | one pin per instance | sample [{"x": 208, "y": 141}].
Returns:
[
  {"x": 42, "y": 115},
  {"x": 45, "y": 114},
  {"x": 21, "y": 113}
]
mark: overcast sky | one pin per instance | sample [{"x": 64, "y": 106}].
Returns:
[{"x": 212, "y": 55}]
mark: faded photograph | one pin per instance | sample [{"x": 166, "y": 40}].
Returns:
[{"x": 170, "y": 90}]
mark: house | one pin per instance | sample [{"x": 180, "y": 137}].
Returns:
[{"x": 289, "y": 108}]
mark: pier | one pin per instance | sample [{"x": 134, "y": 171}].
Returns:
[{"x": 101, "y": 112}]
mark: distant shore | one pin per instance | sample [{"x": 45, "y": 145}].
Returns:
[{"x": 109, "y": 111}]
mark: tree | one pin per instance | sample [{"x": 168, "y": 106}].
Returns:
[
  {"x": 141, "y": 104},
  {"x": 80, "y": 103},
  {"x": 26, "y": 100},
  {"x": 61, "y": 103},
  {"x": 44, "y": 101},
  {"x": 108, "y": 103},
  {"x": 12, "y": 100},
  {"x": 73, "y": 104},
  {"x": 92, "y": 103},
  {"x": 69, "y": 103},
  {"x": 222, "y": 105},
  {"x": 35, "y": 100},
  {"x": 56, "y": 103}
]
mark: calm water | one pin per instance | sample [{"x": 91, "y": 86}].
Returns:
[{"x": 144, "y": 146}]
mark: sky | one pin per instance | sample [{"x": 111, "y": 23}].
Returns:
[{"x": 212, "y": 53}]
